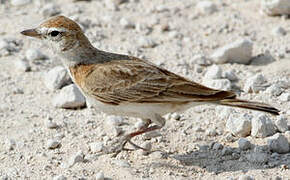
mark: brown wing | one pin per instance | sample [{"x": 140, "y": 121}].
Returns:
[{"x": 138, "y": 81}]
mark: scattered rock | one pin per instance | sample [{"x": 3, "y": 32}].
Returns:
[
  {"x": 78, "y": 157},
  {"x": 211, "y": 132},
  {"x": 239, "y": 125},
  {"x": 69, "y": 97},
  {"x": 222, "y": 84},
  {"x": 217, "y": 146},
  {"x": 244, "y": 144},
  {"x": 285, "y": 97},
  {"x": 278, "y": 143},
  {"x": 206, "y": 7},
  {"x": 22, "y": 65},
  {"x": 122, "y": 163},
  {"x": 175, "y": 116},
  {"x": 146, "y": 42},
  {"x": 237, "y": 52},
  {"x": 257, "y": 157},
  {"x": 34, "y": 54},
  {"x": 213, "y": 72},
  {"x": 274, "y": 90},
  {"x": 156, "y": 155},
  {"x": 279, "y": 31},
  {"x": 56, "y": 78},
  {"x": 53, "y": 144},
  {"x": 200, "y": 60},
  {"x": 10, "y": 144},
  {"x": 281, "y": 123},
  {"x": 125, "y": 23},
  {"x": 245, "y": 177},
  {"x": 20, "y": 2},
  {"x": 262, "y": 126},
  {"x": 230, "y": 75},
  {"x": 96, "y": 147},
  {"x": 100, "y": 176},
  {"x": 227, "y": 151},
  {"x": 50, "y": 9},
  {"x": 255, "y": 84},
  {"x": 59, "y": 177},
  {"x": 276, "y": 7},
  {"x": 114, "y": 121},
  {"x": 147, "y": 146},
  {"x": 51, "y": 125}
]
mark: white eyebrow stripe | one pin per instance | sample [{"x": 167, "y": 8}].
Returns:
[{"x": 47, "y": 30}]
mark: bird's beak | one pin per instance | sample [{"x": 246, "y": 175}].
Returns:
[{"x": 31, "y": 33}]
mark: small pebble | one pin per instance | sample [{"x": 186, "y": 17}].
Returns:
[
  {"x": 122, "y": 163},
  {"x": 59, "y": 177},
  {"x": 244, "y": 144},
  {"x": 34, "y": 54},
  {"x": 281, "y": 123},
  {"x": 53, "y": 144},
  {"x": 100, "y": 176}
]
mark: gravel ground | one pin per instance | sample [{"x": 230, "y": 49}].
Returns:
[{"x": 208, "y": 42}]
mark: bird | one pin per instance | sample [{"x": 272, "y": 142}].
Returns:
[{"x": 123, "y": 85}]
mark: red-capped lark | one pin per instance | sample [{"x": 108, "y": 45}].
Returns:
[{"x": 127, "y": 86}]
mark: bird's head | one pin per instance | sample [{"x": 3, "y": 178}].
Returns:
[{"x": 60, "y": 32}]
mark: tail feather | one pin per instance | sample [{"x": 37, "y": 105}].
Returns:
[{"x": 250, "y": 105}]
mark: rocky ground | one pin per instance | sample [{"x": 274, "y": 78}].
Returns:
[{"x": 47, "y": 133}]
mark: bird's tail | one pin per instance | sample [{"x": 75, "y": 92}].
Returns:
[{"x": 250, "y": 105}]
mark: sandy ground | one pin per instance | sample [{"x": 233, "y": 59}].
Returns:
[{"x": 185, "y": 144}]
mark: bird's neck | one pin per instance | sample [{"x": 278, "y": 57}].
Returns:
[{"x": 83, "y": 52}]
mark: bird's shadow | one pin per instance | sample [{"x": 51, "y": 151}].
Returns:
[
  {"x": 217, "y": 161},
  {"x": 262, "y": 59}
]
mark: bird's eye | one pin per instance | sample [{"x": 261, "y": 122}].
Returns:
[{"x": 54, "y": 33}]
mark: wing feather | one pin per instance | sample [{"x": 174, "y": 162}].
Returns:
[{"x": 138, "y": 81}]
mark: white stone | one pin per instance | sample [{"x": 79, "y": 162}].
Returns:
[
  {"x": 213, "y": 72},
  {"x": 127, "y": 24},
  {"x": 96, "y": 147},
  {"x": 4, "y": 44},
  {"x": 276, "y": 7},
  {"x": 239, "y": 51},
  {"x": 255, "y": 84},
  {"x": 56, "y": 78},
  {"x": 217, "y": 146},
  {"x": 200, "y": 60},
  {"x": 76, "y": 158},
  {"x": 222, "y": 84},
  {"x": 206, "y": 7},
  {"x": 262, "y": 126},
  {"x": 22, "y": 65},
  {"x": 245, "y": 177},
  {"x": 59, "y": 177},
  {"x": 10, "y": 144},
  {"x": 114, "y": 120},
  {"x": 146, "y": 42},
  {"x": 230, "y": 75},
  {"x": 285, "y": 97},
  {"x": 279, "y": 31},
  {"x": 69, "y": 97},
  {"x": 278, "y": 143},
  {"x": 122, "y": 163},
  {"x": 34, "y": 54},
  {"x": 239, "y": 125},
  {"x": 274, "y": 90},
  {"x": 50, "y": 9},
  {"x": 51, "y": 125},
  {"x": 100, "y": 176},
  {"x": 53, "y": 144},
  {"x": 281, "y": 123},
  {"x": 244, "y": 144},
  {"x": 20, "y": 2}
]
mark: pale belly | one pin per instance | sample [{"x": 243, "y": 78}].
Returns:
[{"x": 140, "y": 110}]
